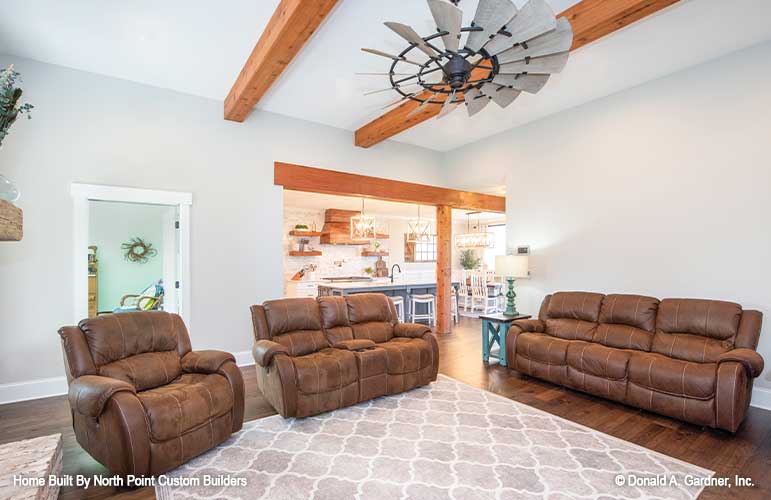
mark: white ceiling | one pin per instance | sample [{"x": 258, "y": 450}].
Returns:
[
  {"x": 316, "y": 201},
  {"x": 198, "y": 47}
]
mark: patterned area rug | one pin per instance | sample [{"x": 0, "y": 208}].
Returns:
[{"x": 444, "y": 441}]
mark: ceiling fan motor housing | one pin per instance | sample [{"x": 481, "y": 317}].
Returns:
[{"x": 457, "y": 71}]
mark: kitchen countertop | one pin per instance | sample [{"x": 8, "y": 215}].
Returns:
[{"x": 380, "y": 284}]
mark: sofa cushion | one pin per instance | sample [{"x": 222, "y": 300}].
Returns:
[
  {"x": 708, "y": 318},
  {"x": 584, "y": 306},
  {"x": 406, "y": 355},
  {"x": 375, "y": 331},
  {"x": 673, "y": 376},
  {"x": 690, "y": 347},
  {"x": 146, "y": 370},
  {"x": 571, "y": 329},
  {"x": 188, "y": 402},
  {"x": 632, "y": 310},
  {"x": 325, "y": 370},
  {"x": 369, "y": 307},
  {"x": 542, "y": 348},
  {"x": 111, "y": 337},
  {"x": 288, "y": 315},
  {"x": 302, "y": 342},
  {"x": 598, "y": 360}
]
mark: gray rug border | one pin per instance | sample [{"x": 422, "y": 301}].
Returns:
[{"x": 165, "y": 492}]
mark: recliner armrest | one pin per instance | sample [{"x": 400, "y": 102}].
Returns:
[
  {"x": 410, "y": 330},
  {"x": 751, "y": 360},
  {"x": 355, "y": 344},
  {"x": 529, "y": 325},
  {"x": 89, "y": 394},
  {"x": 264, "y": 350},
  {"x": 205, "y": 361}
]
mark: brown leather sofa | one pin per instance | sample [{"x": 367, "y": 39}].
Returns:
[
  {"x": 142, "y": 402},
  {"x": 689, "y": 359},
  {"x": 317, "y": 355}
]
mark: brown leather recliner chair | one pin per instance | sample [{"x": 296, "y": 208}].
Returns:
[
  {"x": 317, "y": 355},
  {"x": 142, "y": 402},
  {"x": 690, "y": 359}
]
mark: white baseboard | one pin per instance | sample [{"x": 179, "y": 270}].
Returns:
[
  {"x": 33, "y": 389},
  {"x": 761, "y": 398},
  {"x": 56, "y": 386}
]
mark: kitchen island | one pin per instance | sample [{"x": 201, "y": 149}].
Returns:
[{"x": 403, "y": 288}]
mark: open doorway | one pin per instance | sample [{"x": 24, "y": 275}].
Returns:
[{"x": 132, "y": 250}]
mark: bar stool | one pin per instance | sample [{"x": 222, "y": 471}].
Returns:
[
  {"x": 430, "y": 303},
  {"x": 398, "y": 301}
]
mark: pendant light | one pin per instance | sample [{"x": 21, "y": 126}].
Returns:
[
  {"x": 362, "y": 226},
  {"x": 474, "y": 239},
  {"x": 419, "y": 230}
]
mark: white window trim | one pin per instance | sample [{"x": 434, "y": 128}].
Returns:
[{"x": 82, "y": 194}]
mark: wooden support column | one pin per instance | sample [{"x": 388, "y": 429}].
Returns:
[{"x": 444, "y": 289}]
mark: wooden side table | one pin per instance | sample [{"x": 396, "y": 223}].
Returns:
[{"x": 494, "y": 328}]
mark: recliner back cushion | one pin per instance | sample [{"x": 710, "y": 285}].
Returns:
[
  {"x": 334, "y": 319},
  {"x": 142, "y": 348},
  {"x": 627, "y": 322},
  {"x": 573, "y": 315},
  {"x": 295, "y": 324},
  {"x": 371, "y": 316},
  {"x": 695, "y": 329}
]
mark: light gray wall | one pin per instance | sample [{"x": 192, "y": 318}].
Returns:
[
  {"x": 94, "y": 129},
  {"x": 664, "y": 189}
]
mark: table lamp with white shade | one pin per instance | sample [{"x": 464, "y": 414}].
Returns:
[{"x": 511, "y": 267}]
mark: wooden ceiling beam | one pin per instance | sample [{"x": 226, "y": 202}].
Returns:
[
  {"x": 591, "y": 20},
  {"x": 317, "y": 180},
  {"x": 291, "y": 26}
]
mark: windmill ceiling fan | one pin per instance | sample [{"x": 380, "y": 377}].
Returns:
[{"x": 507, "y": 51}]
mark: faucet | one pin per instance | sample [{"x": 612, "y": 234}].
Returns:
[{"x": 392, "y": 271}]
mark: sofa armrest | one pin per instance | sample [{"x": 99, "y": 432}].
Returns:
[
  {"x": 89, "y": 394},
  {"x": 355, "y": 344},
  {"x": 205, "y": 361},
  {"x": 529, "y": 325},
  {"x": 264, "y": 350},
  {"x": 751, "y": 360},
  {"x": 411, "y": 330}
]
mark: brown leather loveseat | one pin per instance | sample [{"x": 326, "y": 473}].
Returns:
[
  {"x": 689, "y": 359},
  {"x": 317, "y": 355},
  {"x": 142, "y": 402}
]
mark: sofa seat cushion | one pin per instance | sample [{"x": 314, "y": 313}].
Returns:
[
  {"x": 326, "y": 370},
  {"x": 598, "y": 360},
  {"x": 407, "y": 355},
  {"x": 190, "y": 401},
  {"x": 673, "y": 376},
  {"x": 542, "y": 348}
]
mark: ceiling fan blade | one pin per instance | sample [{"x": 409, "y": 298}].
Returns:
[
  {"x": 448, "y": 18},
  {"x": 391, "y": 88},
  {"x": 529, "y": 83},
  {"x": 503, "y": 96},
  {"x": 553, "y": 42},
  {"x": 385, "y": 74},
  {"x": 448, "y": 106},
  {"x": 411, "y": 36},
  {"x": 398, "y": 101},
  {"x": 491, "y": 15},
  {"x": 546, "y": 64},
  {"x": 534, "y": 19},
  {"x": 476, "y": 101},
  {"x": 390, "y": 56},
  {"x": 422, "y": 105}
]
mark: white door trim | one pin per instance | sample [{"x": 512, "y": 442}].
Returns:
[{"x": 83, "y": 193}]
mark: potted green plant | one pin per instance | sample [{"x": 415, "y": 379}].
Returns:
[
  {"x": 10, "y": 109},
  {"x": 469, "y": 259},
  {"x": 369, "y": 271}
]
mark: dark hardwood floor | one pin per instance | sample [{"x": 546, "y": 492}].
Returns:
[{"x": 747, "y": 454}]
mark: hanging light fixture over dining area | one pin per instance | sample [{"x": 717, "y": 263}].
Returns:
[
  {"x": 476, "y": 238},
  {"x": 419, "y": 230}
]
